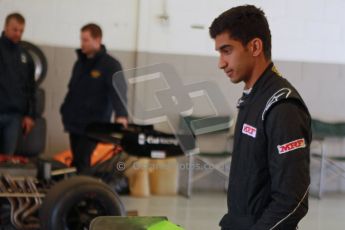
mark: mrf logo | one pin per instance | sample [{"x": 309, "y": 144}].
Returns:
[
  {"x": 288, "y": 147},
  {"x": 249, "y": 130}
]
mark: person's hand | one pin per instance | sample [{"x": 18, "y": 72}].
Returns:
[
  {"x": 122, "y": 120},
  {"x": 27, "y": 124}
]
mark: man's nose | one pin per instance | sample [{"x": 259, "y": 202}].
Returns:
[{"x": 221, "y": 63}]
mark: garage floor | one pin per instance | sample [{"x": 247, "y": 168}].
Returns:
[{"x": 204, "y": 210}]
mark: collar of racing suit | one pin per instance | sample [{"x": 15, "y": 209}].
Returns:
[{"x": 246, "y": 97}]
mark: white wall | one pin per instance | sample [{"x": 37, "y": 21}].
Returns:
[
  {"x": 302, "y": 31},
  {"x": 58, "y": 22},
  {"x": 54, "y": 25},
  {"x": 305, "y": 35},
  {"x": 308, "y": 30}
]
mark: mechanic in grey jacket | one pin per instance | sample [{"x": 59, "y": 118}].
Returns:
[
  {"x": 17, "y": 85},
  {"x": 269, "y": 176}
]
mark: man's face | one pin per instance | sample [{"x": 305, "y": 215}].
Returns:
[
  {"x": 235, "y": 59},
  {"x": 14, "y": 30},
  {"x": 89, "y": 45}
]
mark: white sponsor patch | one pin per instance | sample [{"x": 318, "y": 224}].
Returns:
[
  {"x": 158, "y": 154},
  {"x": 293, "y": 145},
  {"x": 249, "y": 130},
  {"x": 141, "y": 139}
]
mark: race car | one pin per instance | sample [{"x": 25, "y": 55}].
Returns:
[{"x": 46, "y": 193}]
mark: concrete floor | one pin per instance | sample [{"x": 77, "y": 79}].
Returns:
[{"x": 204, "y": 210}]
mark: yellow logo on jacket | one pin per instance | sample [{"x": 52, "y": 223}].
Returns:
[{"x": 95, "y": 73}]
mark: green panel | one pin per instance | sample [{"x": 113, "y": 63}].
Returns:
[
  {"x": 203, "y": 125},
  {"x": 164, "y": 225},
  {"x": 323, "y": 129}
]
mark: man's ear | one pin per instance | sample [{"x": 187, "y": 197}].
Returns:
[
  {"x": 256, "y": 47},
  {"x": 99, "y": 40}
]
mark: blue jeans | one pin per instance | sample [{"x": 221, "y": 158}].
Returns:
[{"x": 10, "y": 128}]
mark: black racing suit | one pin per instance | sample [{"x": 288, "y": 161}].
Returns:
[{"x": 269, "y": 177}]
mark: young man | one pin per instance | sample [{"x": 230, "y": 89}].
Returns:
[
  {"x": 269, "y": 177},
  {"x": 17, "y": 85},
  {"x": 91, "y": 96}
]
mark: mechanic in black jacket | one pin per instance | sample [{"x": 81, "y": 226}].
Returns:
[
  {"x": 17, "y": 85},
  {"x": 91, "y": 96},
  {"x": 269, "y": 176}
]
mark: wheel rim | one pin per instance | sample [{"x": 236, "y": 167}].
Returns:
[
  {"x": 39, "y": 61},
  {"x": 84, "y": 211}
]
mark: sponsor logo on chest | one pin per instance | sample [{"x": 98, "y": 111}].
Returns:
[
  {"x": 288, "y": 147},
  {"x": 249, "y": 130},
  {"x": 23, "y": 58},
  {"x": 95, "y": 73}
]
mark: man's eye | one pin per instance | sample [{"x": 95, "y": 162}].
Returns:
[{"x": 227, "y": 51}]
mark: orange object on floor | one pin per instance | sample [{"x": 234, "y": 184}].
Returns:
[
  {"x": 65, "y": 157},
  {"x": 101, "y": 153},
  {"x": 104, "y": 152}
]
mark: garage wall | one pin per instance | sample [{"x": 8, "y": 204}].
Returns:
[
  {"x": 54, "y": 26},
  {"x": 309, "y": 30},
  {"x": 308, "y": 36},
  {"x": 308, "y": 46},
  {"x": 57, "y": 22}
]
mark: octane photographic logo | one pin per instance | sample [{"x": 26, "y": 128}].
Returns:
[{"x": 157, "y": 94}]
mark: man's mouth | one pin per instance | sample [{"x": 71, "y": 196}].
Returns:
[{"x": 229, "y": 73}]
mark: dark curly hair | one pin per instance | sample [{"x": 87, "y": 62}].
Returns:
[{"x": 244, "y": 23}]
